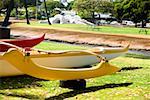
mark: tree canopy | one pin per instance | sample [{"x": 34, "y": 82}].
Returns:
[
  {"x": 134, "y": 10},
  {"x": 86, "y": 8},
  {"x": 51, "y": 4},
  {"x": 17, "y": 3}
]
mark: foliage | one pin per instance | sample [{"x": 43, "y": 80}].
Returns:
[
  {"x": 21, "y": 13},
  {"x": 4, "y": 4},
  {"x": 107, "y": 7},
  {"x": 51, "y": 4},
  {"x": 135, "y": 10},
  {"x": 86, "y": 8},
  {"x": 118, "y": 10},
  {"x": 9, "y": 7},
  {"x": 20, "y": 3},
  {"x": 70, "y": 5},
  {"x": 47, "y": 16}
]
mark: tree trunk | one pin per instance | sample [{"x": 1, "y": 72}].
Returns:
[
  {"x": 9, "y": 9},
  {"x": 4, "y": 30},
  {"x": 143, "y": 23},
  {"x": 27, "y": 16},
  {"x": 93, "y": 17},
  {"x": 47, "y": 13},
  {"x": 16, "y": 11},
  {"x": 135, "y": 24}
]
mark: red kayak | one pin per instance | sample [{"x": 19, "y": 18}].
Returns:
[{"x": 29, "y": 42}]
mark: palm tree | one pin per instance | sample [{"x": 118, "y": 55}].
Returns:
[
  {"x": 47, "y": 13},
  {"x": 9, "y": 9},
  {"x": 4, "y": 30},
  {"x": 27, "y": 16}
]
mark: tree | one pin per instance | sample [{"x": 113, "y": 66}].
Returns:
[
  {"x": 18, "y": 3},
  {"x": 70, "y": 5},
  {"x": 26, "y": 8},
  {"x": 86, "y": 8},
  {"x": 4, "y": 30},
  {"x": 47, "y": 13},
  {"x": 9, "y": 9},
  {"x": 16, "y": 8},
  {"x": 118, "y": 10},
  {"x": 4, "y": 4},
  {"x": 9, "y": 5},
  {"x": 51, "y": 4},
  {"x": 134, "y": 10}
]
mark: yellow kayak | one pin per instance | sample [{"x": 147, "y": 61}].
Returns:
[
  {"x": 25, "y": 64},
  {"x": 61, "y": 59}
]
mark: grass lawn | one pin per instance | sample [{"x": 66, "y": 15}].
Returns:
[
  {"x": 132, "y": 83},
  {"x": 102, "y": 29}
]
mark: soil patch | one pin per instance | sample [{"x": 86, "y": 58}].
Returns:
[{"x": 137, "y": 42}]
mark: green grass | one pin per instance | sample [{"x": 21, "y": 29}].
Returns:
[
  {"x": 132, "y": 83},
  {"x": 58, "y": 46},
  {"x": 103, "y": 29}
]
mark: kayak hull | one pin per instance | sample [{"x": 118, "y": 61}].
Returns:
[
  {"x": 31, "y": 68},
  {"x": 29, "y": 42},
  {"x": 66, "y": 60},
  {"x": 7, "y": 69}
]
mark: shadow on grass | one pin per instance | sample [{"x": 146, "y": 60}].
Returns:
[
  {"x": 137, "y": 56},
  {"x": 25, "y": 96},
  {"x": 86, "y": 90},
  {"x": 130, "y": 68},
  {"x": 70, "y": 93},
  {"x": 22, "y": 81}
]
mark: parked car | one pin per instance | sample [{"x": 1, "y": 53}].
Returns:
[
  {"x": 147, "y": 24},
  {"x": 129, "y": 23},
  {"x": 114, "y": 23}
]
